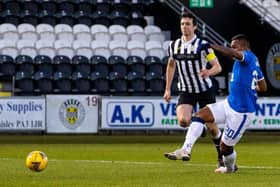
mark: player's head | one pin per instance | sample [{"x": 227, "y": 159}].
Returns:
[
  {"x": 188, "y": 24},
  {"x": 240, "y": 42}
]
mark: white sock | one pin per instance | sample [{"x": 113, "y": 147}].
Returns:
[
  {"x": 194, "y": 132},
  {"x": 230, "y": 161}
]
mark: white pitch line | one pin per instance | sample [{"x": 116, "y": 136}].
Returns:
[
  {"x": 151, "y": 163},
  {"x": 163, "y": 163}
]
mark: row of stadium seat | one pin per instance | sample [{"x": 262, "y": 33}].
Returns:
[
  {"x": 25, "y": 64},
  {"x": 112, "y": 84},
  {"x": 70, "y": 12},
  {"x": 84, "y": 48},
  {"x": 80, "y": 31}
]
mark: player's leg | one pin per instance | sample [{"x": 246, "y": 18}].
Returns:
[
  {"x": 196, "y": 128},
  {"x": 184, "y": 114},
  {"x": 204, "y": 99},
  {"x": 236, "y": 124}
]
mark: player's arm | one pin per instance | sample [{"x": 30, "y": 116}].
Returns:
[
  {"x": 170, "y": 70},
  {"x": 261, "y": 85},
  {"x": 214, "y": 62},
  {"x": 229, "y": 52}
]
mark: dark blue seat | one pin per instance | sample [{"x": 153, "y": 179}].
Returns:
[
  {"x": 62, "y": 83},
  {"x": 118, "y": 64},
  {"x": 25, "y": 64},
  {"x": 63, "y": 64},
  {"x": 81, "y": 83},
  {"x": 24, "y": 84},
  {"x": 7, "y": 65},
  {"x": 100, "y": 83},
  {"x": 136, "y": 83},
  {"x": 155, "y": 83},
  {"x": 100, "y": 65},
  {"x": 154, "y": 64},
  {"x": 43, "y": 83},
  {"x": 136, "y": 64},
  {"x": 118, "y": 83},
  {"x": 44, "y": 64},
  {"x": 81, "y": 64}
]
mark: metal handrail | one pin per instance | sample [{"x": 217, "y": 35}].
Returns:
[
  {"x": 267, "y": 16},
  {"x": 204, "y": 29}
]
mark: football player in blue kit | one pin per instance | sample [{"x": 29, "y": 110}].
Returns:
[{"x": 237, "y": 110}]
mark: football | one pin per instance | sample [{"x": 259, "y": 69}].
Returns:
[{"x": 36, "y": 161}]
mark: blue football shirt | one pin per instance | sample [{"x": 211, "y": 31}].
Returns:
[{"x": 245, "y": 75}]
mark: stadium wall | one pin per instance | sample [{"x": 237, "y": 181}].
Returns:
[{"x": 90, "y": 114}]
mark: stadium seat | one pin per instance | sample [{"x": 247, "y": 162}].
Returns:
[
  {"x": 154, "y": 33},
  {"x": 46, "y": 32},
  {"x": 118, "y": 83},
  {"x": 155, "y": 83},
  {"x": 64, "y": 48},
  {"x": 82, "y": 32},
  {"x": 82, "y": 65},
  {"x": 136, "y": 64},
  {"x": 118, "y": 33},
  {"x": 43, "y": 83},
  {"x": 81, "y": 83},
  {"x": 118, "y": 48},
  {"x": 11, "y": 13},
  {"x": 118, "y": 64},
  {"x": 24, "y": 84},
  {"x": 155, "y": 65},
  {"x": 29, "y": 12},
  {"x": 121, "y": 5},
  {"x": 7, "y": 65},
  {"x": 62, "y": 83},
  {"x": 46, "y": 48},
  {"x": 119, "y": 18},
  {"x": 9, "y": 32},
  {"x": 25, "y": 64},
  {"x": 82, "y": 48},
  {"x": 136, "y": 33},
  {"x": 103, "y": 5},
  {"x": 63, "y": 65},
  {"x": 44, "y": 64},
  {"x": 154, "y": 48},
  {"x": 137, "y": 18},
  {"x": 136, "y": 48},
  {"x": 64, "y": 32},
  {"x": 136, "y": 84},
  {"x": 101, "y": 48},
  {"x": 47, "y": 13},
  {"x": 27, "y": 47},
  {"x": 9, "y": 47},
  {"x": 100, "y": 32},
  {"x": 27, "y": 32},
  {"x": 100, "y": 65},
  {"x": 100, "y": 83},
  {"x": 102, "y": 18}
]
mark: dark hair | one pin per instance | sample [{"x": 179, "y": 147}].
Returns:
[
  {"x": 242, "y": 37},
  {"x": 191, "y": 16}
]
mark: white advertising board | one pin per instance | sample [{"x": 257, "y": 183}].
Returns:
[
  {"x": 154, "y": 113},
  {"x": 22, "y": 114},
  {"x": 138, "y": 113},
  {"x": 72, "y": 113}
]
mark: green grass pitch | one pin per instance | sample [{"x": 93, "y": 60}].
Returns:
[{"x": 135, "y": 161}]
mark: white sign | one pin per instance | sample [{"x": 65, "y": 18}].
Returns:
[
  {"x": 138, "y": 113},
  {"x": 22, "y": 114},
  {"x": 155, "y": 113},
  {"x": 72, "y": 113}
]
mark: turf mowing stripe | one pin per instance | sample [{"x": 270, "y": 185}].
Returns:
[{"x": 151, "y": 163}]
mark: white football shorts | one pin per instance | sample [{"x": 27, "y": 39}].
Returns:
[{"x": 235, "y": 122}]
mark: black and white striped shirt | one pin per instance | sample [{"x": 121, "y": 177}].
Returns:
[{"x": 190, "y": 58}]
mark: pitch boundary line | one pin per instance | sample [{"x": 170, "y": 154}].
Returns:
[{"x": 150, "y": 163}]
